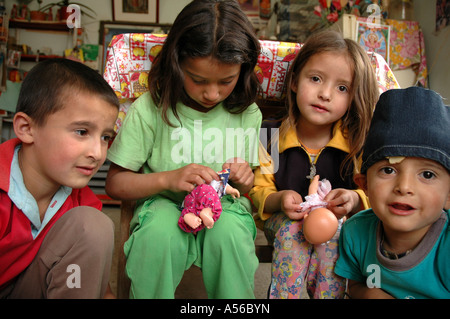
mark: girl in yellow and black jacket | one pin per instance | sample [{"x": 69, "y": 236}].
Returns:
[{"x": 332, "y": 90}]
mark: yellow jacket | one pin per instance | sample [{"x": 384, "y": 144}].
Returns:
[{"x": 269, "y": 177}]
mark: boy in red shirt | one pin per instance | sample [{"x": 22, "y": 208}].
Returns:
[{"x": 54, "y": 240}]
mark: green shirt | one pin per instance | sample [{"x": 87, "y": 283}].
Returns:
[
  {"x": 146, "y": 142},
  {"x": 424, "y": 273}
]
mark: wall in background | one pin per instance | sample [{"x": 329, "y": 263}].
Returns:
[
  {"x": 58, "y": 41},
  {"x": 437, "y": 47}
]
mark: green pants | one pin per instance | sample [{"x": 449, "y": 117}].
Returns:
[{"x": 158, "y": 251}]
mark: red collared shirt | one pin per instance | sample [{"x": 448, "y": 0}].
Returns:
[{"x": 17, "y": 246}]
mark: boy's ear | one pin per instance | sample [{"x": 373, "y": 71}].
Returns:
[
  {"x": 447, "y": 203},
  {"x": 361, "y": 181},
  {"x": 23, "y": 125}
]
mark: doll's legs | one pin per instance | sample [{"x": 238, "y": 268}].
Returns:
[
  {"x": 158, "y": 250},
  {"x": 228, "y": 259},
  {"x": 192, "y": 220},
  {"x": 207, "y": 217},
  {"x": 189, "y": 220},
  {"x": 202, "y": 208}
]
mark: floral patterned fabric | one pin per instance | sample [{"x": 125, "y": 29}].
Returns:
[
  {"x": 407, "y": 48},
  {"x": 385, "y": 77},
  {"x": 298, "y": 265}
]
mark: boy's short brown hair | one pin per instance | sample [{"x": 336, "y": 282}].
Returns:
[{"x": 50, "y": 82}]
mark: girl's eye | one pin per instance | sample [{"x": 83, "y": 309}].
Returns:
[
  {"x": 428, "y": 174},
  {"x": 199, "y": 81},
  {"x": 315, "y": 78},
  {"x": 342, "y": 88}
]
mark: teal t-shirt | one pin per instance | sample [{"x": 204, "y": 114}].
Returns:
[
  {"x": 146, "y": 142},
  {"x": 423, "y": 273}
]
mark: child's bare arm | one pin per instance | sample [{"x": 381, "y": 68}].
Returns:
[{"x": 122, "y": 183}]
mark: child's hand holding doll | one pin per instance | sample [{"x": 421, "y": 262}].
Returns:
[
  {"x": 202, "y": 206},
  {"x": 240, "y": 174},
  {"x": 320, "y": 224}
]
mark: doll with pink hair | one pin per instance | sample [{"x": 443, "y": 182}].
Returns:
[{"x": 202, "y": 207}]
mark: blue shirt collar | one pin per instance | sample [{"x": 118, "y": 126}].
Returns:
[{"x": 23, "y": 199}]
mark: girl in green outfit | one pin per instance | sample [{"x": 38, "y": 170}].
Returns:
[{"x": 198, "y": 118}]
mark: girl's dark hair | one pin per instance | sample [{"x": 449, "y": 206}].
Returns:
[
  {"x": 206, "y": 28},
  {"x": 49, "y": 83},
  {"x": 364, "y": 90}
]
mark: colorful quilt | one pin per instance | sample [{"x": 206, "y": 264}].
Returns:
[{"x": 407, "y": 48}]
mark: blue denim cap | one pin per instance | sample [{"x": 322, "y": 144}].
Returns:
[{"x": 410, "y": 122}]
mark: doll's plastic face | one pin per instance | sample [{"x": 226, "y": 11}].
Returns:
[{"x": 208, "y": 81}]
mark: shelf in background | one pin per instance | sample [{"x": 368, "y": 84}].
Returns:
[
  {"x": 39, "y": 25},
  {"x": 36, "y": 58}
]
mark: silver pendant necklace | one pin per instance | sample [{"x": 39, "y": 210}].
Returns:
[{"x": 312, "y": 172}]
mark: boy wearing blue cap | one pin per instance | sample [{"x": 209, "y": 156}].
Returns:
[{"x": 400, "y": 247}]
